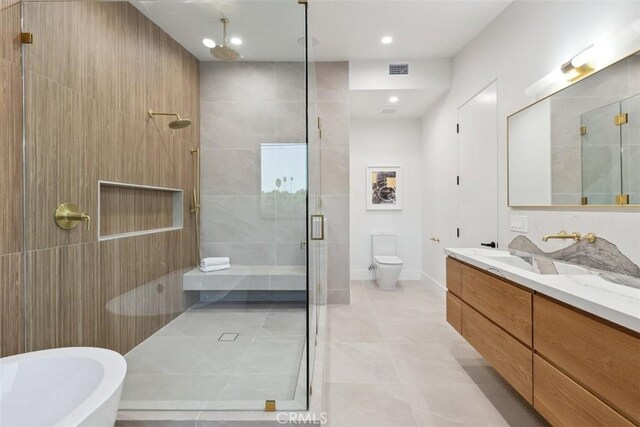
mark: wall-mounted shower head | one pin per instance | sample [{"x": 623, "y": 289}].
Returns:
[
  {"x": 224, "y": 52},
  {"x": 178, "y": 123}
]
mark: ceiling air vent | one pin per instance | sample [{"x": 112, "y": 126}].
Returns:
[
  {"x": 388, "y": 110},
  {"x": 398, "y": 69}
]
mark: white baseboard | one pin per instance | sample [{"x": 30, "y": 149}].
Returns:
[
  {"x": 433, "y": 282},
  {"x": 410, "y": 275},
  {"x": 404, "y": 275}
]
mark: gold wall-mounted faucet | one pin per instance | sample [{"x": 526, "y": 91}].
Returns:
[{"x": 562, "y": 235}]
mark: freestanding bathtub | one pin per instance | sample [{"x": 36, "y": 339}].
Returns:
[{"x": 74, "y": 386}]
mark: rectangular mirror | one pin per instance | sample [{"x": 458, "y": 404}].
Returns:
[{"x": 581, "y": 145}]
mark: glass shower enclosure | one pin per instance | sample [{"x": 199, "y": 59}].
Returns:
[{"x": 145, "y": 153}]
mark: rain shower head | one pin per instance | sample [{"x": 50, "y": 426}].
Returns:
[
  {"x": 178, "y": 123},
  {"x": 224, "y": 52}
]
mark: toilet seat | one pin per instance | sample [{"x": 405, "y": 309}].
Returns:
[{"x": 388, "y": 260}]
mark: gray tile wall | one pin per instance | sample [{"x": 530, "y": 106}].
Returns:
[{"x": 246, "y": 104}]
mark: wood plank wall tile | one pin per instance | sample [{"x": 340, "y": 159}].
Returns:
[
  {"x": 54, "y": 278},
  {"x": 10, "y": 31},
  {"x": 11, "y": 305},
  {"x": 11, "y": 159},
  {"x": 94, "y": 71},
  {"x": 11, "y": 130},
  {"x": 11, "y": 224}
]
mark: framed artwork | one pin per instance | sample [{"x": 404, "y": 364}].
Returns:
[{"x": 384, "y": 188}]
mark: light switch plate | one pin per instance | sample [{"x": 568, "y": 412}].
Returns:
[{"x": 519, "y": 223}]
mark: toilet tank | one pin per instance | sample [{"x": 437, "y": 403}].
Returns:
[{"x": 384, "y": 244}]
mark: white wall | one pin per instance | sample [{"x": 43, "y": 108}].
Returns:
[
  {"x": 375, "y": 142},
  {"x": 522, "y": 45}
]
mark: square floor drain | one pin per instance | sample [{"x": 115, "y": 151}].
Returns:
[{"x": 228, "y": 336}]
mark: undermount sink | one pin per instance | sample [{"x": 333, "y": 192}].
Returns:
[{"x": 541, "y": 265}]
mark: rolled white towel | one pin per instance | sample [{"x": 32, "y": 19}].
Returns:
[
  {"x": 214, "y": 261},
  {"x": 215, "y": 268}
]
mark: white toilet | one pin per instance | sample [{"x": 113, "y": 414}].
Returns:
[{"x": 386, "y": 264}]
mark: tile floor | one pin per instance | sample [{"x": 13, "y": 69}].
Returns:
[
  {"x": 185, "y": 366},
  {"x": 392, "y": 360}
]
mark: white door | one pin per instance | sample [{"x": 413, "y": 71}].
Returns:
[{"x": 478, "y": 170}]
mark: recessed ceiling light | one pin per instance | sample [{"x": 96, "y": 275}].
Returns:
[
  {"x": 386, "y": 40},
  {"x": 393, "y": 99},
  {"x": 236, "y": 40},
  {"x": 209, "y": 43}
]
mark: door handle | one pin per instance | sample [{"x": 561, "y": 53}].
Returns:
[
  {"x": 490, "y": 245},
  {"x": 317, "y": 227}
]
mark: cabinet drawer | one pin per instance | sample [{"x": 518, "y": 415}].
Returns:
[
  {"x": 604, "y": 359},
  {"x": 565, "y": 403},
  {"x": 508, "y": 356},
  {"x": 454, "y": 312},
  {"x": 454, "y": 276},
  {"x": 507, "y": 305}
]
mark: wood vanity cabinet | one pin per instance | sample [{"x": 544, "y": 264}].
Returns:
[
  {"x": 495, "y": 318},
  {"x": 454, "y": 276},
  {"x": 573, "y": 367},
  {"x": 454, "y": 312},
  {"x": 602, "y": 357},
  {"x": 509, "y": 357},
  {"x": 504, "y": 303}
]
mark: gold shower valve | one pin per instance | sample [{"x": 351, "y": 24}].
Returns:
[{"x": 68, "y": 216}]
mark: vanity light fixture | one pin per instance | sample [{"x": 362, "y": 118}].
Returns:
[
  {"x": 386, "y": 40},
  {"x": 393, "y": 99},
  {"x": 580, "y": 65},
  {"x": 236, "y": 41},
  {"x": 600, "y": 54},
  {"x": 209, "y": 43}
]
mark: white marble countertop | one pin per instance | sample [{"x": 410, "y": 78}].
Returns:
[{"x": 617, "y": 303}]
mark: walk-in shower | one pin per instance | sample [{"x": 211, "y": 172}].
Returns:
[{"x": 226, "y": 174}]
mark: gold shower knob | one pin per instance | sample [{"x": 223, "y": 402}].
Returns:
[{"x": 68, "y": 216}]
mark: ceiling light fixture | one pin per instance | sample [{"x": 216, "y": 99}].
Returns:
[
  {"x": 386, "y": 40},
  {"x": 209, "y": 43},
  {"x": 393, "y": 99},
  {"x": 236, "y": 41}
]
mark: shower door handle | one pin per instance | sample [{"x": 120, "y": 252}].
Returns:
[{"x": 317, "y": 227}]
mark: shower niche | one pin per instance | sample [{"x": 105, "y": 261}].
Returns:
[{"x": 127, "y": 210}]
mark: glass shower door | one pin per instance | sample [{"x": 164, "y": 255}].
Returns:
[
  {"x": 601, "y": 168},
  {"x": 317, "y": 281},
  {"x": 126, "y": 277}
]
